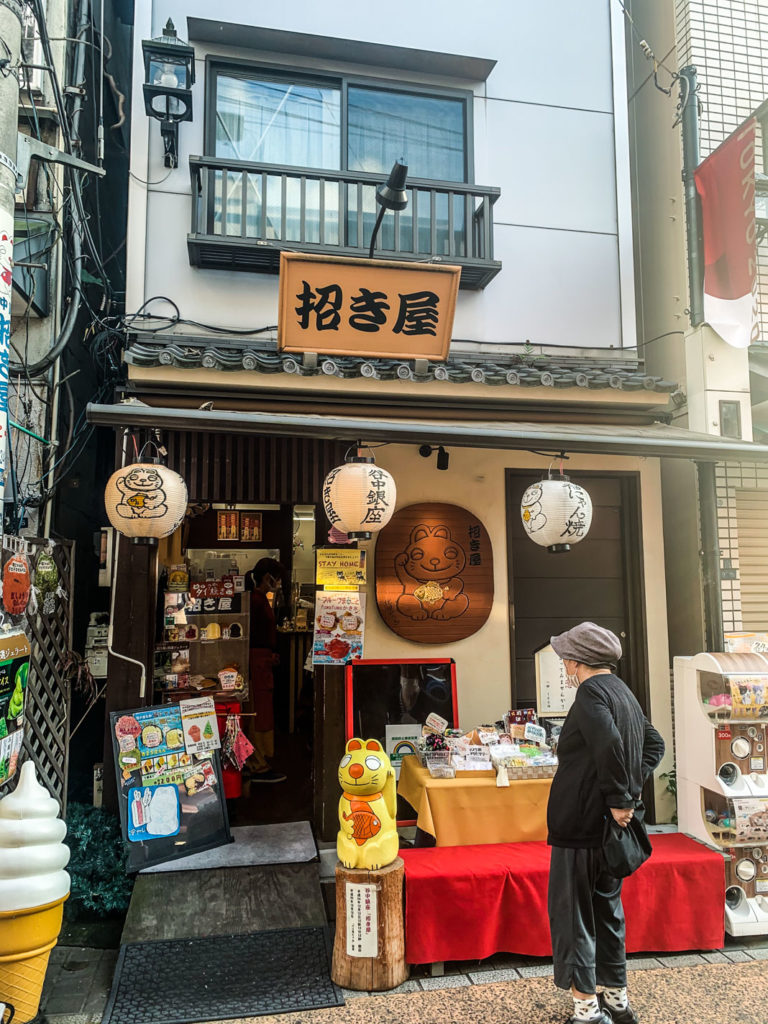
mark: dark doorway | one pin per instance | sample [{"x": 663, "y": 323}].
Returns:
[{"x": 599, "y": 579}]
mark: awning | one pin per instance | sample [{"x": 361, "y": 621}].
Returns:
[{"x": 656, "y": 440}]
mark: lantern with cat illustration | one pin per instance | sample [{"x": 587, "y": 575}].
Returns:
[{"x": 145, "y": 501}]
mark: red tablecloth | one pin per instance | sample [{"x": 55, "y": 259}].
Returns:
[{"x": 469, "y": 902}]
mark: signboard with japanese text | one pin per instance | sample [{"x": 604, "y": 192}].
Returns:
[
  {"x": 337, "y": 305},
  {"x": 14, "y": 675},
  {"x": 362, "y": 920},
  {"x": 340, "y": 568},
  {"x": 553, "y": 694},
  {"x": 434, "y": 573}
]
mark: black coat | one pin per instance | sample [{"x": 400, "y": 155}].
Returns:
[{"x": 606, "y": 751}]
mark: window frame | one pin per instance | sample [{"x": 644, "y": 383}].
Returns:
[{"x": 216, "y": 65}]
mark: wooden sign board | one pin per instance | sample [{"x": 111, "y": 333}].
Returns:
[
  {"x": 386, "y": 309},
  {"x": 434, "y": 573}
]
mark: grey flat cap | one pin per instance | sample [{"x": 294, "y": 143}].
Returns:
[{"x": 589, "y": 644}]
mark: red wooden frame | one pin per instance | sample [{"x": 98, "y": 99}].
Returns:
[
  {"x": 349, "y": 716},
  {"x": 349, "y": 719}
]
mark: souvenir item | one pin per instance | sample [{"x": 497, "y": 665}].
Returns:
[
  {"x": 367, "y": 837},
  {"x": 47, "y": 580},
  {"x": 235, "y": 631},
  {"x": 16, "y": 584}
]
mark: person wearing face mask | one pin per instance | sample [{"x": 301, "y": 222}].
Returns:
[
  {"x": 259, "y": 722},
  {"x": 606, "y": 751}
]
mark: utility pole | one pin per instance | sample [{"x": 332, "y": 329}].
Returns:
[
  {"x": 689, "y": 120},
  {"x": 10, "y": 55}
]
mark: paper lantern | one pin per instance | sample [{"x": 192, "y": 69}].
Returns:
[
  {"x": 359, "y": 498},
  {"x": 145, "y": 501},
  {"x": 556, "y": 513}
]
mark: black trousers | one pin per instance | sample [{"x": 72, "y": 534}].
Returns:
[{"x": 586, "y": 920}]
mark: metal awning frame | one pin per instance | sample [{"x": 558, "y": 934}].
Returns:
[{"x": 654, "y": 441}]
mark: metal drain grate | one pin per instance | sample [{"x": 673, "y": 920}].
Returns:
[{"x": 188, "y": 980}]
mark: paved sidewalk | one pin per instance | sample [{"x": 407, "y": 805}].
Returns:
[
  {"x": 77, "y": 985},
  {"x": 78, "y": 982}
]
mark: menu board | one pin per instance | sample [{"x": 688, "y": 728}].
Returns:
[
  {"x": 339, "y": 628},
  {"x": 171, "y": 797}
]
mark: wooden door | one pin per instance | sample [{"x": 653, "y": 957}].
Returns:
[{"x": 599, "y": 579}]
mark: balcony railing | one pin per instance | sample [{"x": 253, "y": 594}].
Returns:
[{"x": 245, "y": 214}]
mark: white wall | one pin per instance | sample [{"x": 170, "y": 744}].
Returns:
[
  {"x": 476, "y": 481},
  {"x": 544, "y": 132}
]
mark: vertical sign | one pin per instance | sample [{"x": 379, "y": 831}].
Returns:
[
  {"x": 6, "y": 278},
  {"x": 362, "y": 920}
]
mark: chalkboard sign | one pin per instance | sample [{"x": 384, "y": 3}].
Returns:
[{"x": 386, "y": 692}]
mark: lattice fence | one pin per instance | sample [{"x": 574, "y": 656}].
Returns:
[{"x": 46, "y": 738}]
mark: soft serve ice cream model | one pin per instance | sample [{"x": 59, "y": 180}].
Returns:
[{"x": 33, "y": 888}]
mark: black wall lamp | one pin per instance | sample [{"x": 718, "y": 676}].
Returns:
[
  {"x": 390, "y": 196},
  {"x": 169, "y": 74},
  {"x": 425, "y": 450}
]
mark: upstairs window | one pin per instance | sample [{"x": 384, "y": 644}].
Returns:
[{"x": 340, "y": 124}]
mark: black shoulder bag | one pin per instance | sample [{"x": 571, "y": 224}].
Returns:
[{"x": 625, "y": 849}]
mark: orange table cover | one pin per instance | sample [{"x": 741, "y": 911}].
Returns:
[{"x": 471, "y": 809}]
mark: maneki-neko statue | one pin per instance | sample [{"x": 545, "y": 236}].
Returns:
[{"x": 368, "y": 807}]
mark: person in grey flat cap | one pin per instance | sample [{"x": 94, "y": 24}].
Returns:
[{"x": 606, "y": 751}]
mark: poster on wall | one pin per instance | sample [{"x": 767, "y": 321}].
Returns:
[
  {"x": 171, "y": 800},
  {"x": 228, "y": 525},
  {"x": 434, "y": 573},
  {"x": 250, "y": 527},
  {"x": 340, "y": 567},
  {"x": 553, "y": 694},
  {"x": 14, "y": 675},
  {"x": 339, "y": 628}
]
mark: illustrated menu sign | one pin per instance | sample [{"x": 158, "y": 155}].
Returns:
[
  {"x": 14, "y": 676},
  {"x": 380, "y": 308},
  {"x": 553, "y": 694},
  {"x": 340, "y": 567},
  {"x": 362, "y": 920},
  {"x": 198, "y": 718},
  {"x": 339, "y": 627},
  {"x": 434, "y": 573},
  {"x": 171, "y": 799}
]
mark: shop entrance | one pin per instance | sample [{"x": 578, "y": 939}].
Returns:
[
  {"x": 247, "y": 650},
  {"x": 599, "y": 579}
]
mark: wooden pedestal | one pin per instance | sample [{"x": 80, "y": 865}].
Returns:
[{"x": 386, "y": 968}]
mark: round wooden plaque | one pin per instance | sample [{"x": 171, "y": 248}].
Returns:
[{"x": 434, "y": 573}]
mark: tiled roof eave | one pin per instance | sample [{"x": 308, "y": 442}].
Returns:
[{"x": 522, "y": 372}]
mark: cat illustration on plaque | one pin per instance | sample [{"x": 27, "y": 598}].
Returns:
[{"x": 429, "y": 571}]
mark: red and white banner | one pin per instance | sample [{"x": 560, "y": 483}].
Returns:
[{"x": 725, "y": 182}]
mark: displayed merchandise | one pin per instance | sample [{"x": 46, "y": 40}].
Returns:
[
  {"x": 721, "y": 704},
  {"x": 47, "y": 581},
  {"x": 205, "y": 645},
  {"x": 236, "y": 748},
  {"x": 17, "y": 583},
  {"x": 169, "y": 781},
  {"x": 367, "y": 837},
  {"x": 33, "y": 888},
  {"x": 14, "y": 676},
  {"x": 339, "y": 628}
]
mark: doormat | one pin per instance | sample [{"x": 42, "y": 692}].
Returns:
[
  {"x": 289, "y": 842},
  {"x": 188, "y": 980}
]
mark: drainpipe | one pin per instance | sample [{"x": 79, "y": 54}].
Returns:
[
  {"x": 689, "y": 120},
  {"x": 710, "y": 556}
]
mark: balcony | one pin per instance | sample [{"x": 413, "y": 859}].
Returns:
[{"x": 245, "y": 214}]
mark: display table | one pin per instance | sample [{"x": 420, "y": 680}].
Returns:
[
  {"x": 469, "y": 902},
  {"x": 471, "y": 809}
]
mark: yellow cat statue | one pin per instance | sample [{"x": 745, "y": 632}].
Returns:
[{"x": 368, "y": 807}]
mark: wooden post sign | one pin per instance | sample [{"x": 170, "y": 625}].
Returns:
[
  {"x": 385, "y": 309},
  {"x": 434, "y": 573}
]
